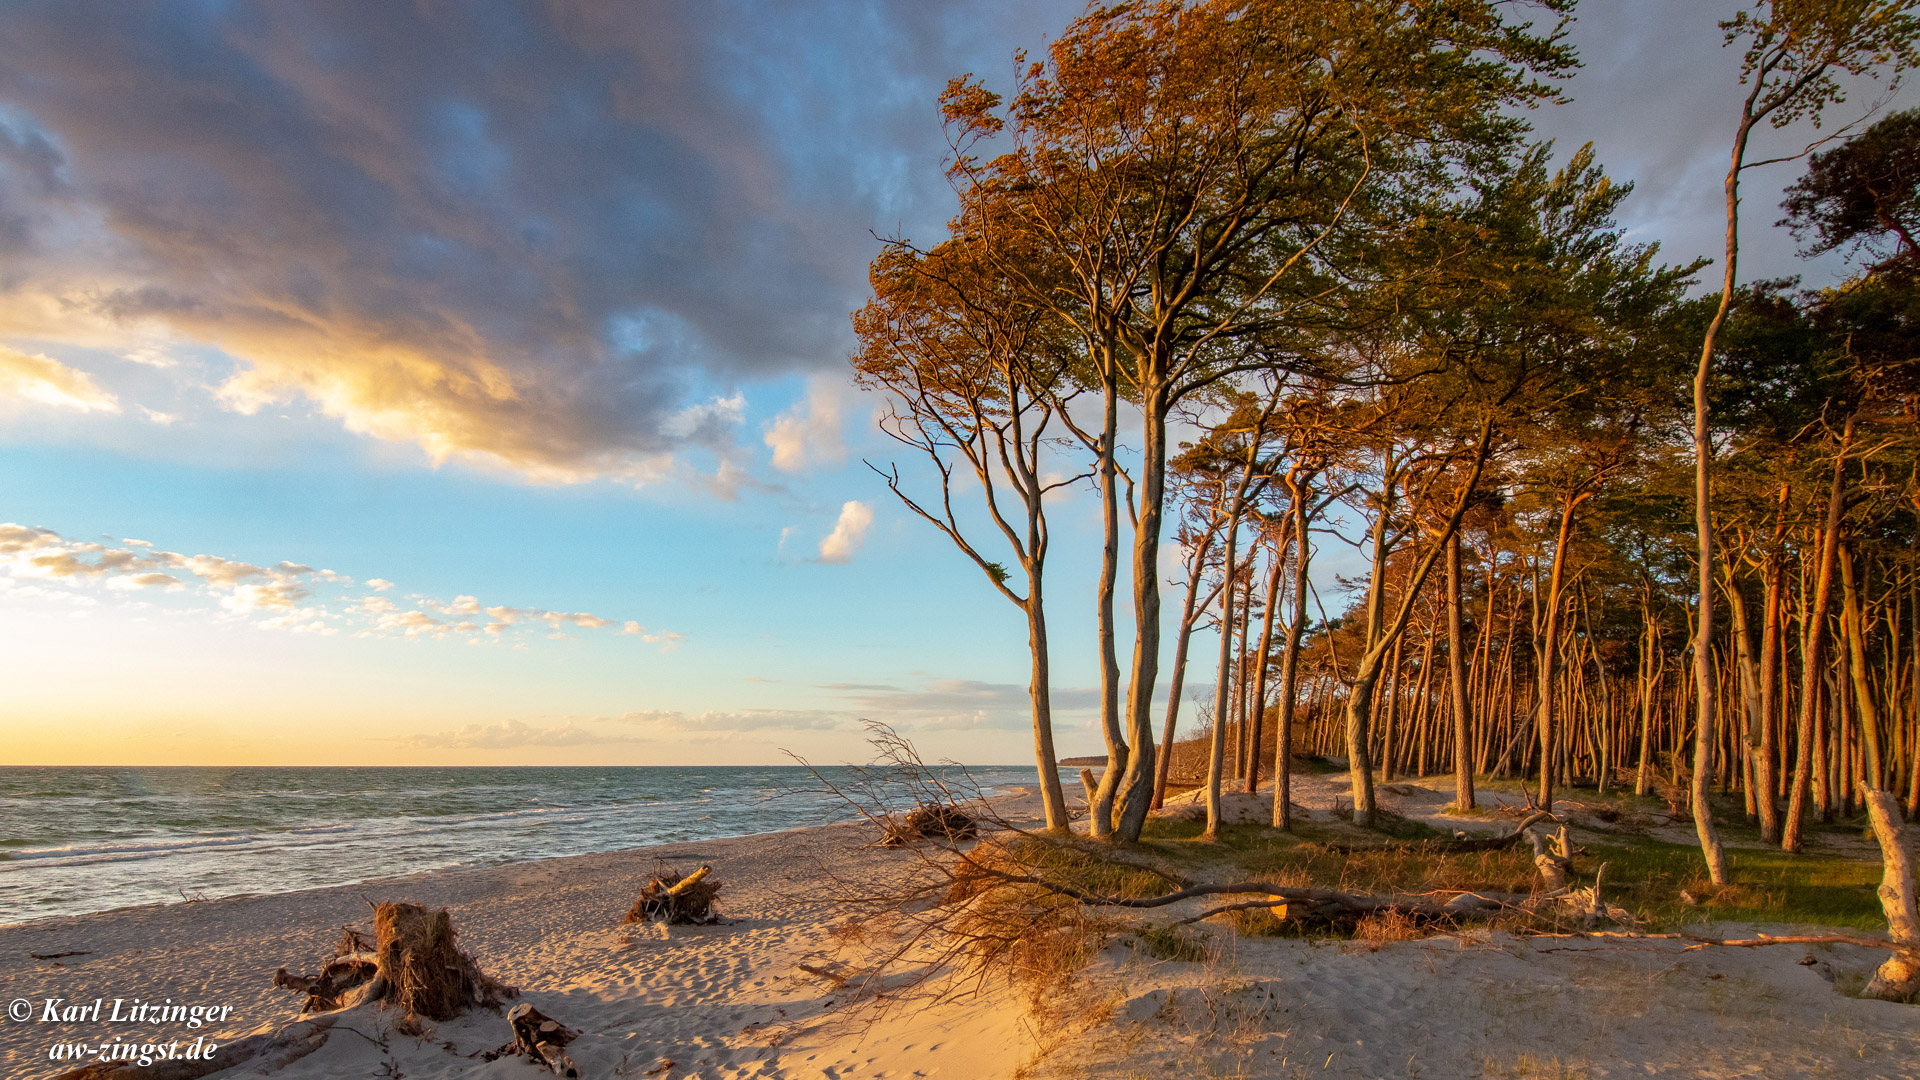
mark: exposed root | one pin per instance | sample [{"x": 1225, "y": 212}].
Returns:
[
  {"x": 412, "y": 964},
  {"x": 929, "y": 821},
  {"x": 670, "y": 898}
]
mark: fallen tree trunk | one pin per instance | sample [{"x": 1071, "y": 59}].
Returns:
[{"x": 1455, "y": 846}]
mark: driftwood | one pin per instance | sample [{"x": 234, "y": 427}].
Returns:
[
  {"x": 353, "y": 967},
  {"x": 542, "y": 1038},
  {"x": 930, "y": 821},
  {"x": 670, "y": 898},
  {"x": 1455, "y": 846},
  {"x": 1898, "y": 979},
  {"x": 1553, "y": 857},
  {"x": 413, "y": 964},
  {"x": 267, "y": 1050}
]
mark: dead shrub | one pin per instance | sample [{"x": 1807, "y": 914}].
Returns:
[{"x": 1376, "y": 930}]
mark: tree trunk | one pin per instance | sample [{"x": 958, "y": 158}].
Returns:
[
  {"x": 1548, "y": 650},
  {"x": 1290, "y": 664},
  {"x": 1456, "y": 662},
  {"x": 1853, "y": 621},
  {"x": 1260, "y": 663},
  {"x": 1038, "y": 689},
  {"x": 1813, "y": 652},
  {"x": 1217, "y": 748},
  {"x": 1100, "y": 813},
  {"x": 1898, "y": 978},
  {"x": 1136, "y": 790},
  {"x": 1187, "y": 617}
]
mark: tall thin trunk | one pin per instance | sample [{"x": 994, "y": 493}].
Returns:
[
  {"x": 1260, "y": 663},
  {"x": 1188, "y": 615},
  {"x": 1766, "y": 780},
  {"x": 1052, "y": 797},
  {"x": 1136, "y": 787},
  {"x": 1290, "y": 663},
  {"x": 1217, "y": 748},
  {"x": 1703, "y": 492},
  {"x": 1457, "y": 682},
  {"x": 1100, "y": 814},
  {"x": 1853, "y": 621},
  {"x": 1813, "y": 652},
  {"x": 1549, "y": 648}
]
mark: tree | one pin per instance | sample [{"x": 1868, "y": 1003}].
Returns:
[
  {"x": 1859, "y": 193},
  {"x": 1796, "y": 51},
  {"x": 973, "y": 379},
  {"x": 1183, "y": 163}
]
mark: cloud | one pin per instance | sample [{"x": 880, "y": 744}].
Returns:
[
  {"x": 848, "y": 533},
  {"x": 283, "y": 592},
  {"x": 809, "y": 432},
  {"x": 748, "y": 720},
  {"x": 535, "y": 235},
  {"x": 957, "y": 704},
  {"x": 46, "y": 381},
  {"x": 511, "y": 734}
]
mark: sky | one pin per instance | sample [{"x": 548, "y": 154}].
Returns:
[{"x": 432, "y": 383}]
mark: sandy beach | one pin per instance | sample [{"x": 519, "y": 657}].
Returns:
[{"x": 734, "y": 1001}]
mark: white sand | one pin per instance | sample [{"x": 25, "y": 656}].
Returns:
[{"x": 731, "y": 1000}]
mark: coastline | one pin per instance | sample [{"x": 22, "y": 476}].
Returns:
[
  {"x": 738, "y": 1001},
  {"x": 551, "y": 927}
]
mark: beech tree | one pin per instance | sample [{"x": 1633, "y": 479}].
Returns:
[{"x": 973, "y": 382}]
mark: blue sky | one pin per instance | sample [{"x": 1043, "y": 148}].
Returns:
[{"x": 477, "y": 375}]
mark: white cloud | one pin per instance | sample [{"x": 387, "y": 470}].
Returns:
[
  {"x": 149, "y": 356},
  {"x": 245, "y": 590},
  {"x": 848, "y": 533},
  {"x": 746, "y": 720},
  {"x": 808, "y": 433},
  {"x": 513, "y": 733},
  {"x": 46, "y": 381}
]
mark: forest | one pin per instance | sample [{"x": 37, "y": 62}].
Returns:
[{"x": 1272, "y": 278}]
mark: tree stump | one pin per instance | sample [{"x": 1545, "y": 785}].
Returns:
[
  {"x": 1898, "y": 978},
  {"x": 542, "y": 1038},
  {"x": 413, "y": 964}
]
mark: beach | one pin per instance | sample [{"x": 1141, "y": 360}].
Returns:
[{"x": 733, "y": 1000}]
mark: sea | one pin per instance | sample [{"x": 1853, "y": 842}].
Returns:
[{"x": 81, "y": 839}]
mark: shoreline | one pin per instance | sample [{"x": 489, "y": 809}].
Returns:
[
  {"x": 767, "y": 995},
  {"x": 75, "y": 849},
  {"x": 551, "y": 927}
]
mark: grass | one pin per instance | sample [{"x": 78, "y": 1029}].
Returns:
[
  {"x": 1644, "y": 875},
  {"x": 1049, "y": 938},
  {"x": 1770, "y": 886},
  {"x": 1168, "y": 943}
]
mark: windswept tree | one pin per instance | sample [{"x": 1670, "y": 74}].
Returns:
[
  {"x": 1183, "y": 164},
  {"x": 1797, "y": 53},
  {"x": 974, "y": 381}
]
